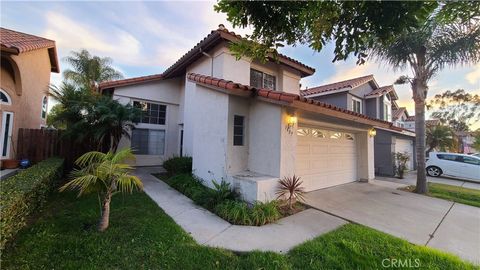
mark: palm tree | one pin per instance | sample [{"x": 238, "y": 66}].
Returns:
[
  {"x": 439, "y": 137},
  {"x": 426, "y": 50},
  {"x": 112, "y": 120},
  {"x": 106, "y": 175},
  {"x": 88, "y": 71}
]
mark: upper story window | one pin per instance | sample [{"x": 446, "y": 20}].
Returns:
[
  {"x": 356, "y": 105},
  {"x": 259, "y": 79},
  {"x": 152, "y": 113},
  {"x": 238, "y": 129},
  {"x": 44, "y": 107},
  {"x": 387, "y": 108},
  {"x": 5, "y": 98}
]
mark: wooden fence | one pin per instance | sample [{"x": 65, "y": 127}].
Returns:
[{"x": 39, "y": 144}]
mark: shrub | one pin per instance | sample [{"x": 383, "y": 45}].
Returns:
[
  {"x": 25, "y": 192},
  {"x": 265, "y": 212},
  {"x": 235, "y": 212},
  {"x": 178, "y": 165},
  {"x": 400, "y": 163},
  {"x": 290, "y": 188}
]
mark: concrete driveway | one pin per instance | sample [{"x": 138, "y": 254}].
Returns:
[
  {"x": 419, "y": 219},
  {"x": 411, "y": 179}
]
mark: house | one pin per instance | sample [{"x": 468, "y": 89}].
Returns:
[
  {"x": 466, "y": 140},
  {"x": 27, "y": 62},
  {"x": 363, "y": 95},
  {"x": 409, "y": 123},
  {"x": 245, "y": 122}
]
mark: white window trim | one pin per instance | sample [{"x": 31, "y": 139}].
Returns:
[
  {"x": 10, "y": 130},
  {"x": 264, "y": 71},
  {"x": 359, "y": 100},
  {"x": 9, "y": 102},
  {"x": 389, "y": 104},
  {"x": 148, "y": 125}
]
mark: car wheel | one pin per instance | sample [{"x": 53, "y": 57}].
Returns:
[{"x": 434, "y": 171}]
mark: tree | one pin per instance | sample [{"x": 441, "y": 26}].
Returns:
[
  {"x": 441, "y": 137},
  {"x": 53, "y": 119},
  {"x": 476, "y": 142},
  {"x": 106, "y": 175},
  {"x": 457, "y": 109},
  {"x": 88, "y": 71},
  {"x": 425, "y": 36},
  {"x": 92, "y": 118}
]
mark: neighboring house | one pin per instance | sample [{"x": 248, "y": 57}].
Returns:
[
  {"x": 27, "y": 62},
  {"x": 466, "y": 140},
  {"x": 245, "y": 122},
  {"x": 363, "y": 95},
  {"x": 409, "y": 123}
]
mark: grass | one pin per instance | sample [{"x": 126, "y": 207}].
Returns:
[
  {"x": 142, "y": 236},
  {"x": 452, "y": 193}
]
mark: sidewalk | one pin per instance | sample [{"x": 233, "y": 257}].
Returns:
[
  {"x": 208, "y": 229},
  {"x": 411, "y": 179}
]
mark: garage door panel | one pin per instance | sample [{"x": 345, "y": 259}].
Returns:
[{"x": 324, "y": 162}]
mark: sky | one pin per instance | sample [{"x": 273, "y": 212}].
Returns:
[{"x": 145, "y": 38}]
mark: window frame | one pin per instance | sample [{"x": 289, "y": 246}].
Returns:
[
  {"x": 235, "y": 125},
  {"x": 9, "y": 99},
  {"x": 359, "y": 102},
  {"x": 387, "y": 108},
  {"x": 263, "y": 79},
  {"x": 148, "y": 111},
  {"x": 45, "y": 98},
  {"x": 148, "y": 141}
]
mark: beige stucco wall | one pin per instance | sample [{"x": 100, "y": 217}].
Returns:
[{"x": 34, "y": 67}]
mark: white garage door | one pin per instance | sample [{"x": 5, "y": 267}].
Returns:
[
  {"x": 325, "y": 158},
  {"x": 405, "y": 146}
]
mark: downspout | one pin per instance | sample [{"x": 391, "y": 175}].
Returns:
[{"x": 211, "y": 58}]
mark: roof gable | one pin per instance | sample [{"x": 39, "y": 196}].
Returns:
[
  {"x": 18, "y": 42},
  {"x": 336, "y": 87}
]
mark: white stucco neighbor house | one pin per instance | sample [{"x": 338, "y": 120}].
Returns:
[{"x": 245, "y": 122}]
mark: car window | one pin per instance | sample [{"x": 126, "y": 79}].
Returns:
[
  {"x": 447, "y": 157},
  {"x": 470, "y": 160}
]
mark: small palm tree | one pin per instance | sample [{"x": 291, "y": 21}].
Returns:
[
  {"x": 439, "y": 137},
  {"x": 106, "y": 175},
  {"x": 426, "y": 50},
  {"x": 88, "y": 71},
  {"x": 291, "y": 189}
]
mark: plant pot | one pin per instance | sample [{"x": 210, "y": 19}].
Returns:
[{"x": 10, "y": 163}]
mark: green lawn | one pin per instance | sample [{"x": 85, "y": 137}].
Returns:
[
  {"x": 142, "y": 236},
  {"x": 452, "y": 193}
]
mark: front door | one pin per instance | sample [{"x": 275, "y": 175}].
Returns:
[{"x": 6, "y": 135}]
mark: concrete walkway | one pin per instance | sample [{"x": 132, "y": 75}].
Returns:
[
  {"x": 208, "y": 229},
  {"x": 411, "y": 179},
  {"x": 419, "y": 219}
]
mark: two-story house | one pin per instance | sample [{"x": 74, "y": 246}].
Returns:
[
  {"x": 363, "y": 95},
  {"x": 245, "y": 122},
  {"x": 27, "y": 62}
]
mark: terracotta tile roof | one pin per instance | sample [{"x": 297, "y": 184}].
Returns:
[
  {"x": 286, "y": 98},
  {"x": 381, "y": 91},
  {"x": 214, "y": 38},
  {"x": 347, "y": 84},
  {"x": 397, "y": 113},
  {"x": 18, "y": 42},
  {"x": 130, "y": 81},
  {"x": 428, "y": 122}
]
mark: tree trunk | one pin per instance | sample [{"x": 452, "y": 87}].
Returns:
[
  {"x": 420, "y": 141},
  {"x": 104, "y": 220}
]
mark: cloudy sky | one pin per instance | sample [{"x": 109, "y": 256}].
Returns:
[{"x": 147, "y": 37}]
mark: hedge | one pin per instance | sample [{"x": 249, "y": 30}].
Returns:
[
  {"x": 22, "y": 194},
  {"x": 178, "y": 165}
]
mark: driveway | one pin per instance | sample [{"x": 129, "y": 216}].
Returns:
[{"x": 419, "y": 219}]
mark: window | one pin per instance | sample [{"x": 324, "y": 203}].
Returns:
[
  {"x": 318, "y": 133},
  {"x": 259, "y": 79},
  {"x": 238, "y": 129},
  {"x": 336, "y": 135},
  {"x": 303, "y": 132},
  {"x": 349, "y": 136},
  {"x": 471, "y": 160},
  {"x": 5, "y": 98},
  {"x": 356, "y": 105},
  {"x": 44, "y": 107},
  {"x": 6, "y": 135},
  {"x": 446, "y": 157},
  {"x": 148, "y": 141},
  {"x": 152, "y": 113},
  {"x": 387, "y": 112}
]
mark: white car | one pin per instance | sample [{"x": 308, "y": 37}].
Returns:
[{"x": 452, "y": 164}]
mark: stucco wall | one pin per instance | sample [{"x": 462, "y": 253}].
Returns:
[
  {"x": 34, "y": 68},
  {"x": 371, "y": 107},
  {"x": 264, "y": 138},
  {"x": 237, "y": 160},
  {"x": 338, "y": 99},
  {"x": 167, "y": 93}
]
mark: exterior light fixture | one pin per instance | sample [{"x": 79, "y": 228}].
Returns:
[
  {"x": 372, "y": 132},
  {"x": 291, "y": 122}
]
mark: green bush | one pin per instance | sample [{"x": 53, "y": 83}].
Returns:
[
  {"x": 224, "y": 202},
  {"x": 178, "y": 165},
  {"x": 25, "y": 192}
]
